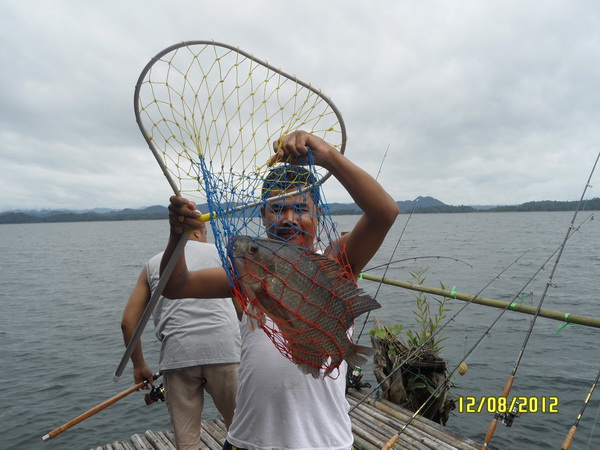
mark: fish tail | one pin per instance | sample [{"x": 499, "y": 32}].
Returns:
[{"x": 307, "y": 369}]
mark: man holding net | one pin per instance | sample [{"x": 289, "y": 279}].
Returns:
[{"x": 277, "y": 405}]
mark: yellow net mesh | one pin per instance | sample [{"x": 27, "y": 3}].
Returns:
[{"x": 212, "y": 104}]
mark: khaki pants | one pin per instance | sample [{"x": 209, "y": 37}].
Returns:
[{"x": 184, "y": 395}]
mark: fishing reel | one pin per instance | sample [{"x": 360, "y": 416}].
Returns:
[
  {"x": 353, "y": 380},
  {"x": 507, "y": 418},
  {"x": 156, "y": 393}
]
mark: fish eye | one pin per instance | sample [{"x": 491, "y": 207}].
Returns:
[{"x": 253, "y": 249}]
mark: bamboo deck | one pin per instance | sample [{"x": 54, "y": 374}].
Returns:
[{"x": 372, "y": 426}]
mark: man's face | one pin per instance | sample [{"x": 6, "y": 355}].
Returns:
[{"x": 292, "y": 219}]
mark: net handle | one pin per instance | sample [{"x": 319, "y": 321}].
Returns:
[
  {"x": 156, "y": 58},
  {"x": 160, "y": 287}
]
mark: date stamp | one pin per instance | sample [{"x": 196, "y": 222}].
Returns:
[{"x": 502, "y": 405}]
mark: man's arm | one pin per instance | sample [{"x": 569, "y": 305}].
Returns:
[
  {"x": 380, "y": 210},
  {"x": 131, "y": 316}
]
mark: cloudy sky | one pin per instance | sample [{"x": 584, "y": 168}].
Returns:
[{"x": 479, "y": 102}]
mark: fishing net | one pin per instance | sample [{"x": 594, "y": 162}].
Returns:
[{"x": 210, "y": 114}]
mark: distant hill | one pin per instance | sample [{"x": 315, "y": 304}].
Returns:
[
  {"x": 550, "y": 205},
  {"x": 421, "y": 205},
  {"x": 49, "y": 216}
]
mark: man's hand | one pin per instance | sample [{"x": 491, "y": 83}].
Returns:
[
  {"x": 183, "y": 215},
  {"x": 293, "y": 149},
  {"x": 143, "y": 373}
]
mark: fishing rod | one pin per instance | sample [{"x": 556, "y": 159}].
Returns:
[
  {"x": 507, "y": 420},
  {"x": 571, "y": 434},
  {"x": 105, "y": 404},
  {"x": 387, "y": 266},
  {"x": 469, "y": 299},
  {"x": 509, "y": 415},
  {"x": 414, "y": 258},
  {"x": 383, "y": 159},
  {"x": 434, "y": 334},
  {"x": 568, "y": 318},
  {"x": 511, "y": 378},
  {"x": 395, "y": 437}
]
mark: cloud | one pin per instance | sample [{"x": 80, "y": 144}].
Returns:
[{"x": 475, "y": 102}]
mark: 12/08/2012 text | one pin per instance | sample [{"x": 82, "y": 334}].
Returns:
[{"x": 501, "y": 405}]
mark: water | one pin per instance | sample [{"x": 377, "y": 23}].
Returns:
[{"x": 64, "y": 287}]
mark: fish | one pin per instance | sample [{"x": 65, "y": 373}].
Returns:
[{"x": 309, "y": 297}]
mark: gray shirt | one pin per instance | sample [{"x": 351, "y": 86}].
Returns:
[{"x": 194, "y": 332}]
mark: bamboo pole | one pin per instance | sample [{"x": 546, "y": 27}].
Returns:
[
  {"x": 549, "y": 314},
  {"x": 447, "y": 435},
  {"x": 168, "y": 439},
  {"x": 359, "y": 442},
  {"x": 385, "y": 426},
  {"x": 139, "y": 442},
  {"x": 157, "y": 441},
  {"x": 213, "y": 435}
]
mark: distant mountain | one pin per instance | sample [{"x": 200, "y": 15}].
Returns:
[
  {"x": 420, "y": 205},
  {"x": 483, "y": 207},
  {"x": 405, "y": 206},
  {"x": 551, "y": 205},
  {"x": 96, "y": 215},
  {"x": 55, "y": 212}
]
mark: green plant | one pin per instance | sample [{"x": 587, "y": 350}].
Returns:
[
  {"x": 425, "y": 372},
  {"x": 391, "y": 334},
  {"x": 429, "y": 313}
]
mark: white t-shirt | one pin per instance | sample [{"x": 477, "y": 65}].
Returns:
[{"x": 280, "y": 407}]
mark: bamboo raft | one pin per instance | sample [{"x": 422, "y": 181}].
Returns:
[{"x": 373, "y": 424}]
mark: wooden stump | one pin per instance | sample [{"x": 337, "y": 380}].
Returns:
[{"x": 412, "y": 385}]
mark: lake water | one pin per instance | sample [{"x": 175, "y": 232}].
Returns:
[{"x": 64, "y": 287}]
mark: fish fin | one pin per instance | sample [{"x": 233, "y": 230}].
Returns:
[
  {"x": 345, "y": 288},
  {"x": 307, "y": 369},
  {"x": 360, "y": 305},
  {"x": 328, "y": 371},
  {"x": 355, "y": 359},
  {"x": 252, "y": 313},
  {"x": 271, "y": 302},
  {"x": 305, "y": 359}
]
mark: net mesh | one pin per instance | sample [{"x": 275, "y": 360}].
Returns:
[{"x": 210, "y": 113}]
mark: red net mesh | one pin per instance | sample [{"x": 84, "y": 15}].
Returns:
[{"x": 308, "y": 299}]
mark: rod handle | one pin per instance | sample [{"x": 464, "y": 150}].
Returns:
[
  {"x": 96, "y": 409},
  {"x": 492, "y": 428},
  {"x": 569, "y": 438},
  {"x": 391, "y": 442}
]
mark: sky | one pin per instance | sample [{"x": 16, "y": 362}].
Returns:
[{"x": 471, "y": 102}]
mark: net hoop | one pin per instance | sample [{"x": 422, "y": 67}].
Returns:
[{"x": 173, "y": 48}]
